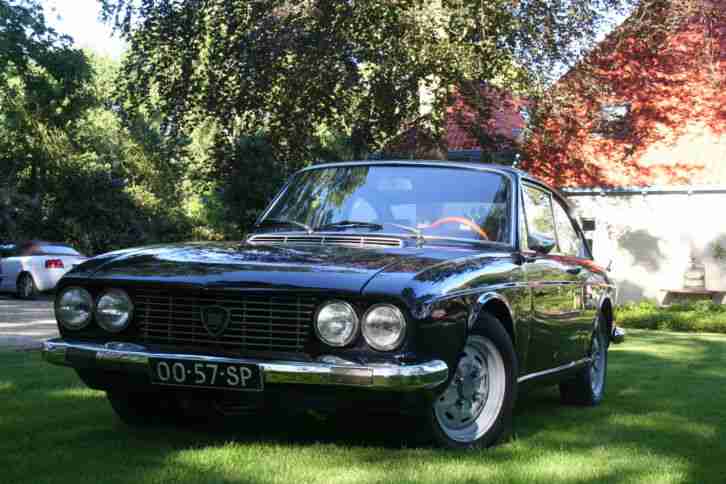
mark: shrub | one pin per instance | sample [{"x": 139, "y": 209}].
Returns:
[{"x": 700, "y": 316}]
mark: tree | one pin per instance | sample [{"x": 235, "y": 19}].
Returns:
[
  {"x": 71, "y": 168},
  {"x": 298, "y": 68},
  {"x": 654, "y": 78},
  {"x": 42, "y": 90}
]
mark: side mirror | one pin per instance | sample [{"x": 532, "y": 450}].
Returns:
[{"x": 541, "y": 243}]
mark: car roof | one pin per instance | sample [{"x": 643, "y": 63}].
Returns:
[
  {"x": 469, "y": 165},
  {"x": 454, "y": 164}
]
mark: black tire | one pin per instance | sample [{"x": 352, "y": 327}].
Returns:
[
  {"x": 25, "y": 287},
  {"x": 587, "y": 388},
  {"x": 493, "y": 421},
  {"x": 143, "y": 409}
]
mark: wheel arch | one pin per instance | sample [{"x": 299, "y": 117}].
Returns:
[{"x": 498, "y": 306}]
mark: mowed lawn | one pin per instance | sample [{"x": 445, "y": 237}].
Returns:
[{"x": 663, "y": 421}]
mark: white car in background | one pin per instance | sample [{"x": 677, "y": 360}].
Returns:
[{"x": 32, "y": 267}]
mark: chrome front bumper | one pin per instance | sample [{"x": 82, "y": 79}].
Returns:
[{"x": 332, "y": 371}]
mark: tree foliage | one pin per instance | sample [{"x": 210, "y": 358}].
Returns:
[
  {"x": 664, "y": 68},
  {"x": 295, "y": 67},
  {"x": 70, "y": 168}
]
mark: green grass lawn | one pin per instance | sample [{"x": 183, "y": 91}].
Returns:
[{"x": 663, "y": 421}]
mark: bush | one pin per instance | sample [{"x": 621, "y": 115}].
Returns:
[{"x": 701, "y": 316}]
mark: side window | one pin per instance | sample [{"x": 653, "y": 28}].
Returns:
[
  {"x": 567, "y": 237},
  {"x": 539, "y": 213}
]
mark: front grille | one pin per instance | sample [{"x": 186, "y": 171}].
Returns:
[{"x": 266, "y": 323}]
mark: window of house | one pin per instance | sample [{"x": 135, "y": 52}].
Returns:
[{"x": 614, "y": 121}]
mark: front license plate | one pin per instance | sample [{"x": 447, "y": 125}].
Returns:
[{"x": 190, "y": 373}]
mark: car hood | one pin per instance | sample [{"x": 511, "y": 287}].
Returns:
[{"x": 334, "y": 268}]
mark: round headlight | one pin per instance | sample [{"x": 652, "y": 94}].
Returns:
[
  {"x": 113, "y": 310},
  {"x": 384, "y": 327},
  {"x": 336, "y": 323},
  {"x": 74, "y": 307}
]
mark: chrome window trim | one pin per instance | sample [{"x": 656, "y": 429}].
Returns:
[
  {"x": 512, "y": 175},
  {"x": 547, "y": 191}
]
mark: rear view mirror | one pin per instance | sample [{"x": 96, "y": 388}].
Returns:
[
  {"x": 588, "y": 224},
  {"x": 541, "y": 243}
]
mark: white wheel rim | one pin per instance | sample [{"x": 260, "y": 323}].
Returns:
[
  {"x": 597, "y": 367},
  {"x": 473, "y": 400},
  {"x": 26, "y": 286}
]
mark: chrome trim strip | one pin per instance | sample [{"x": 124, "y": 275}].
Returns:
[
  {"x": 507, "y": 170},
  {"x": 481, "y": 290},
  {"x": 501, "y": 286},
  {"x": 568, "y": 366},
  {"x": 316, "y": 239},
  {"x": 372, "y": 235},
  {"x": 135, "y": 358}
]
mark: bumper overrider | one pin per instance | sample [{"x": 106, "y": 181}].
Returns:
[{"x": 332, "y": 371}]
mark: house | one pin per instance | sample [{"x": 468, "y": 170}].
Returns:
[
  {"x": 482, "y": 123},
  {"x": 637, "y": 132}
]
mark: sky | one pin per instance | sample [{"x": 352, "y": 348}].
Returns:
[{"x": 80, "y": 20}]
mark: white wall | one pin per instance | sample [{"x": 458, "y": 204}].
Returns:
[{"x": 650, "y": 238}]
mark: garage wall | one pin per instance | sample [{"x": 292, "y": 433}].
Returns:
[{"x": 649, "y": 236}]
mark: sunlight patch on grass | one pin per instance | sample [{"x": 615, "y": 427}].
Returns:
[
  {"x": 6, "y": 386},
  {"x": 77, "y": 392}
]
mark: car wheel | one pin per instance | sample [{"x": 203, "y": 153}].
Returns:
[
  {"x": 143, "y": 409},
  {"x": 588, "y": 386},
  {"x": 475, "y": 410},
  {"x": 25, "y": 287}
]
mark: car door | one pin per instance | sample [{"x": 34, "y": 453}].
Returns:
[
  {"x": 574, "y": 255},
  {"x": 554, "y": 284}
]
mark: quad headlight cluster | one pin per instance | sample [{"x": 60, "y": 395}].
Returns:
[
  {"x": 383, "y": 325},
  {"x": 75, "y": 308}
]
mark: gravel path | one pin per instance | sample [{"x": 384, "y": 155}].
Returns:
[{"x": 25, "y": 324}]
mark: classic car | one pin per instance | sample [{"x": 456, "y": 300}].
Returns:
[{"x": 435, "y": 289}]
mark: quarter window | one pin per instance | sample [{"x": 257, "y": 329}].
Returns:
[
  {"x": 539, "y": 213},
  {"x": 567, "y": 238}
]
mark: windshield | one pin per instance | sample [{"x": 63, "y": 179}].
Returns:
[{"x": 437, "y": 201}]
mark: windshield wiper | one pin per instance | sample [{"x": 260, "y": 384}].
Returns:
[
  {"x": 348, "y": 224},
  {"x": 281, "y": 221}
]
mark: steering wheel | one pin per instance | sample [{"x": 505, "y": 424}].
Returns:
[{"x": 460, "y": 220}]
